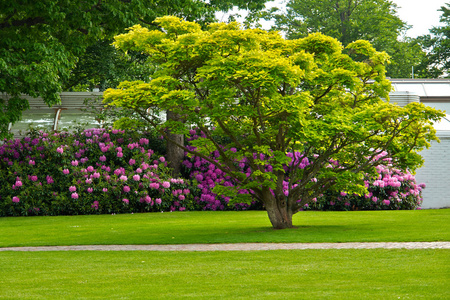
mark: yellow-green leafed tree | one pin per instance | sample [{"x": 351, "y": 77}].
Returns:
[{"x": 266, "y": 97}]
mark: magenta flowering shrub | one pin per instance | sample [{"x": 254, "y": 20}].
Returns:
[
  {"x": 87, "y": 172},
  {"x": 391, "y": 189},
  {"x": 205, "y": 176}
]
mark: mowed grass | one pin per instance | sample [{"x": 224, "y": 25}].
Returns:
[
  {"x": 279, "y": 274},
  {"x": 226, "y": 227}
]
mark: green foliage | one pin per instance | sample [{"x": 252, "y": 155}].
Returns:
[
  {"x": 50, "y": 45},
  {"x": 372, "y": 20},
  {"x": 269, "y": 96},
  {"x": 102, "y": 66},
  {"x": 40, "y": 43}
]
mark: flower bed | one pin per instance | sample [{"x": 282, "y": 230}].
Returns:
[{"x": 114, "y": 171}]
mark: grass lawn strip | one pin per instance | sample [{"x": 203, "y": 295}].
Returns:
[
  {"x": 226, "y": 227},
  {"x": 280, "y": 274}
]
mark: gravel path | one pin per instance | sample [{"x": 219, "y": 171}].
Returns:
[{"x": 239, "y": 247}]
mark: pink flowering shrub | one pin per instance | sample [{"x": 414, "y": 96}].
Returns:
[
  {"x": 391, "y": 189},
  {"x": 81, "y": 173}
]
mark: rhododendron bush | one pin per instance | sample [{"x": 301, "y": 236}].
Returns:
[
  {"x": 92, "y": 171},
  {"x": 257, "y": 97},
  {"x": 114, "y": 171},
  {"x": 206, "y": 177},
  {"x": 390, "y": 188}
]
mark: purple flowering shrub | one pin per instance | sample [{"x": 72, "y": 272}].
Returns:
[
  {"x": 205, "y": 176},
  {"x": 390, "y": 189},
  {"x": 87, "y": 172}
]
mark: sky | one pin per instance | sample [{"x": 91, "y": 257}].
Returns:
[{"x": 421, "y": 14}]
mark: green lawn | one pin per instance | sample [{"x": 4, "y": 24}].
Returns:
[
  {"x": 226, "y": 227},
  {"x": 279, "y": 274}
]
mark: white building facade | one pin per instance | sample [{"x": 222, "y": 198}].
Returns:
[{"x": 435, "y": 172}]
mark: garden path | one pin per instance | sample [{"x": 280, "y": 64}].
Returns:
[{"x": 240, "y": 247}]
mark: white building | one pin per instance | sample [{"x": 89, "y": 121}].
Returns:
[{"x": 435, "y": 172}]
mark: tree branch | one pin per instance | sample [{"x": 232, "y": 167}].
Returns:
[{"x": 25, "y": 22}]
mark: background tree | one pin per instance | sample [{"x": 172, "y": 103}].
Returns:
[
  {"x": 265, "y": 96},
  {"x": 437, "y": 45},
  {"x": 102, "y": 66},
  {"x": 41, "y": 42},
  {"x": 350, "y": 20}
]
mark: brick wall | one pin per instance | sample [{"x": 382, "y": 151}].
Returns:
[{"x": 435, "y": 173}]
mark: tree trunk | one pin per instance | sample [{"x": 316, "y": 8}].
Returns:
[
  {"x": 279, "y": 214},
  {"x": 175, "y": 154}
]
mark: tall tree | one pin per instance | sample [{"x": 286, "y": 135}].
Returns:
[
  {"x": 270, "y": 96},
  {"x": 350, "y": 20},
  {"x": 42, "y": 41},
  {"x": 437, "y": 45},
  {"x": 103, "y": 66}
]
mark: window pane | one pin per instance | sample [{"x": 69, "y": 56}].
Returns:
[
  {"x": 70, "y": 119},
  {"x": 37, "y": 120}
]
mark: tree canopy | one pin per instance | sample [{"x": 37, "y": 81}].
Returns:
[
  {"x": 41, "y": 42},
  {"x": 306, "y": 115},
  {"x": 350, "y": 20}
]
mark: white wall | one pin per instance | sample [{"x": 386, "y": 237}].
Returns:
[{"x": 435, "y": 173}]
